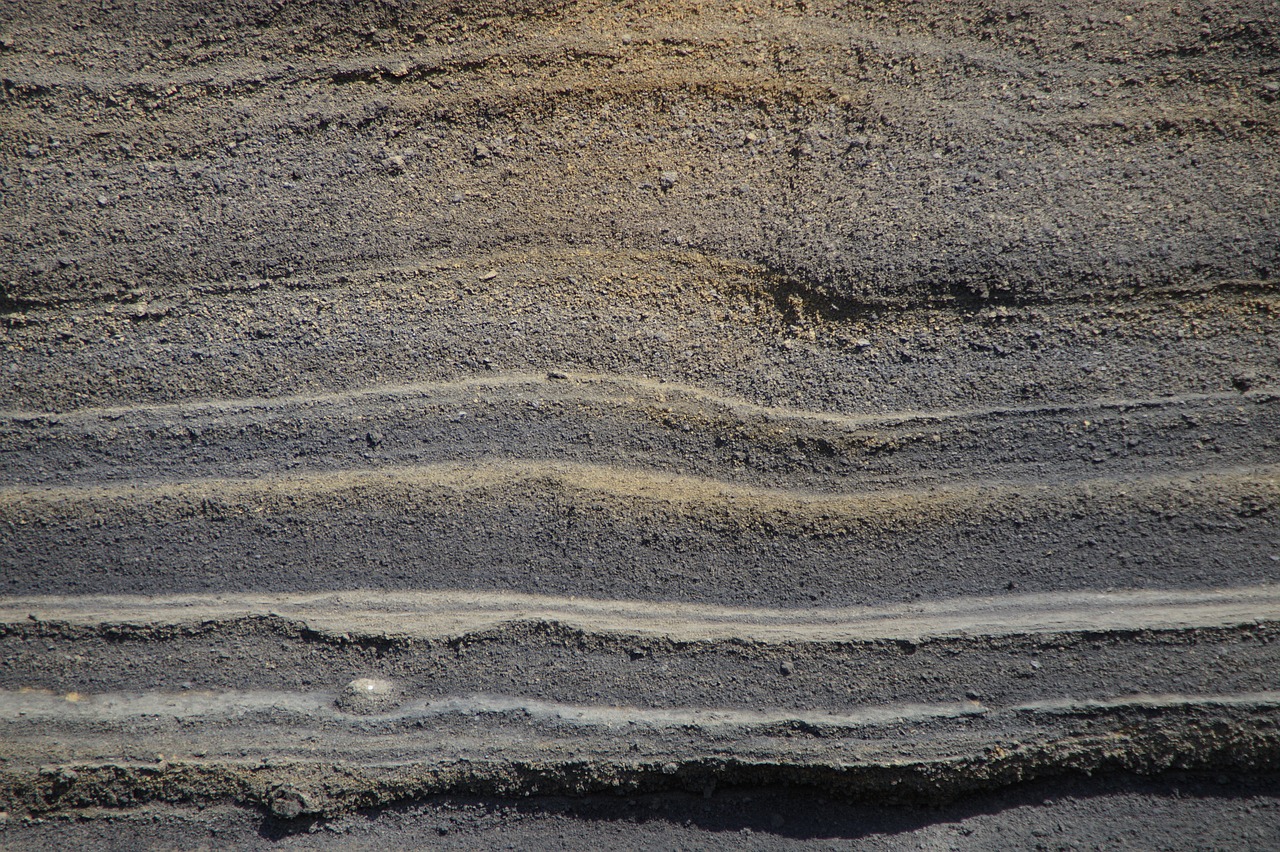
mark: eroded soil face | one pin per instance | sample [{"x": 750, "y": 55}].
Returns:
[{"x": 669, "y": 404}]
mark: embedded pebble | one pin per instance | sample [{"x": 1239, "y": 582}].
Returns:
[
  {"x": 368, "y": 695},
  {"x": 288, "y": 803}
]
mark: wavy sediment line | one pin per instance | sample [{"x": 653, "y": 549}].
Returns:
[
  {"x": 401, "y": 488},
  {"x": 600, "y": 387},
  {"x": 533, "y": 48},
  {"x": 320, "y": 765},
  {"x": 450, "y": 615},
  {"x": 683, "y": 429},
  {"x": 698, "y": 273},
  {"x": 37, "y": 707},
  {"x": 500, "y": 92}
]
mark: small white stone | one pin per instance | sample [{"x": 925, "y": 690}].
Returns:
[{"x": 368, "y": 695}]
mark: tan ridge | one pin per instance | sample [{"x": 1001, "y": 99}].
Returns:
[
  {"x": 453, "y": 614},
  {"x": 34, "y": 706},
  {"x": 607, "y": 387}
]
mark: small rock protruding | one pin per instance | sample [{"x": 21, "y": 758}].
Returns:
[
  {"x": 286, "y": 802},
  {"x": 1244, "y": 382},
  {"x": 368, "y": 695}
]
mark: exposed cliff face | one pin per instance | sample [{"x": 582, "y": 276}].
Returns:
[{"x": 646, "y": 398}]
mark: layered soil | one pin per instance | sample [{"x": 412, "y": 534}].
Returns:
[{"x": 680, "y": 405}]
